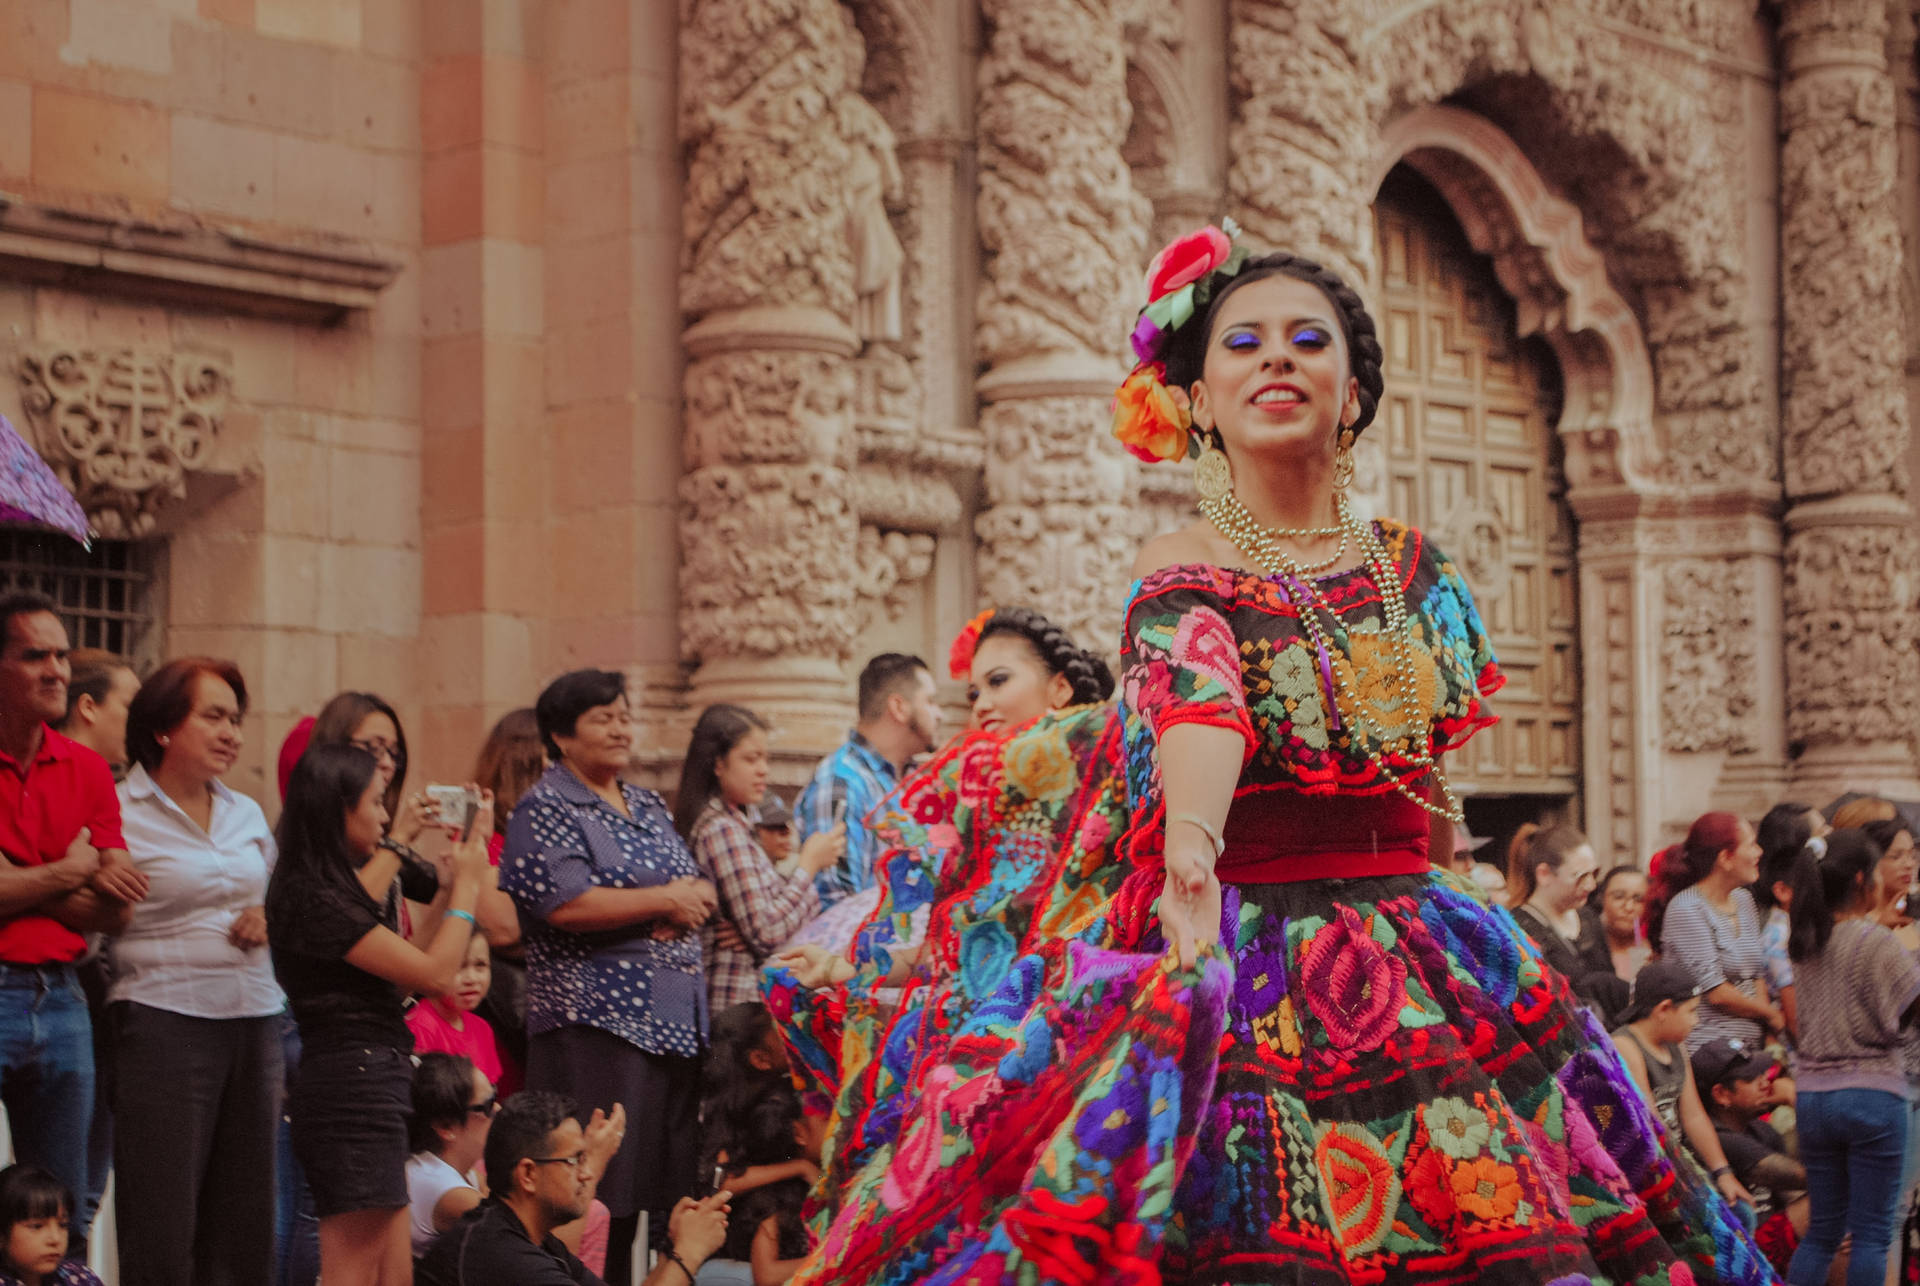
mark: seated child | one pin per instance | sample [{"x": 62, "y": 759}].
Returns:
[
  {"x": 1658, "y": 1019},
  {"x": 447, "y": 1024},
  {"x": 1739, "y": 1088},
  {"x": 34, "y": 1209}
]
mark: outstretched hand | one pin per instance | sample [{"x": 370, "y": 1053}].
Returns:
[{"x": 1190, "y": 915}]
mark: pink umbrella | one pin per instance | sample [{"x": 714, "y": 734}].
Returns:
[{"x": 31, "y": 493}]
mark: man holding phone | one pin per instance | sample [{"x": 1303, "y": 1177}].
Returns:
[{"x": 899, "y": 718}]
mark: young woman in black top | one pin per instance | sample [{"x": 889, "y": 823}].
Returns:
[{"x": 344, "y": 969}]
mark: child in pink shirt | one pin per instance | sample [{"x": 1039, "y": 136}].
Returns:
[{"x": 447, "y": 1024}]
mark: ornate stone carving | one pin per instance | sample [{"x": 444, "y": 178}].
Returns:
[
  {"x": 1301, "y": 132},
  {"x": 917, "y": 502},
  {"x": 1843, "y": 375},
  {"x": 1063, "y": 229},
  {"x": 783, "y": 156},
  {"x": 1852, "y": 627},
  {"x": 1853, "y": 672},
  {"x": 1645, "y": 140},
  {"x": 1708, "y": 656},
  {"x": 1619, "y": 769},
  {"x": 789, "y": 262},
  {"x": 1064, "y": 234},
  {"x": 749, "y": 578},
  {"x": 124, "y": 427},
  {"x": 890, "y": 563}
]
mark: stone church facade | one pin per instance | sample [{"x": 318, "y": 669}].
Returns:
[{"x": 436, "y": 346}]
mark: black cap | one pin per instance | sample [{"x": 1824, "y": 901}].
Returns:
[
  {"x": 774, "y": 814},
  {"x": 1723, "y": 1060},
  {"x": 1659, "y": 980}
]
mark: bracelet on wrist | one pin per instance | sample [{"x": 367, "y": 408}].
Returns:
[
  {"x": 1718, "y": 1171},
  {"x": 679, "y": 1263},
  {"x": 464, "y": 915},
  {"x": 1214, "y": 838}
]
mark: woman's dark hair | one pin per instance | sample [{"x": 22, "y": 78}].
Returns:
[
  {"x": 1186, "y": 353},
  {"x": 1885, "y": 832},
  {"x": 442, "y": 1086},
  {"x": 1781, "y": 834},
  {"x": 1842, "y": 865},
  {"x": 29, "y": 1192},
  {"x": 731, "y": 1083},
  {"x": 510, "y": 763},
  {"x": 164, "y": 701},
  {"x": 1683, "y": 865},
  {"x": 563, "y": 701},
  {"x": 1532, "y": 847},
  {"x": 1597, "y": 900},
  {"x": 718, "y": 730},
  {"x": 311, "y": 835},
  {"x": 342, "y": 716},
  {"x": 1086, "y": 671}
]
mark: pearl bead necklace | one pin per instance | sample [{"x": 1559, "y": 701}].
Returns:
[{"x": 1261, "y": 544}]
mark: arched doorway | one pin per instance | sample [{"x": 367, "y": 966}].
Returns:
[{"x": 1466, "y": 449}]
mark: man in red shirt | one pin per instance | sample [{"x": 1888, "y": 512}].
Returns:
[{"x": 66, "y": 874}]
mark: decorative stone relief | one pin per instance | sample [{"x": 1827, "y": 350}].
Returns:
[
  {"x": 1301, "y": 132},
  {"x": 789, "y": 264},
  {"x": 1843, "y": 372},
  {"x": 1708, "y": 656},
  {"x": 891, "y": 564},
  {"x": 1064, "y": 236},
  {"x": 1646, "y": 141},
  {"x": 124, "y": 427},
  {"x": 1616, "y": 637},
  {"x": 1476, "y": 537},
  {"x": 1853, "y": 672},
  {"x": 748, "y": 581}
]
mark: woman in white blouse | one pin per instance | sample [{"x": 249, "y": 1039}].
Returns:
[{"x": 194, "y": 1007}]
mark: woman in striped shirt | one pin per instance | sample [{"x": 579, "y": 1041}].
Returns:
[{"x": 1707, "y": 921}]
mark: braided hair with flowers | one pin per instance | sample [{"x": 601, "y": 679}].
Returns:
[
  {"x": 1186, "y": 284},
  {"x": 1087, "y": 673}
]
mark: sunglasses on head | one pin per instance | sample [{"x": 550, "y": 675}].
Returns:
[{"x": 488, "y": 1106}]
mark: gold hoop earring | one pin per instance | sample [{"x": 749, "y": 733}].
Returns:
[
  {"x": 1343, "y": 462},
  {"x": 1213, "y": 472}
]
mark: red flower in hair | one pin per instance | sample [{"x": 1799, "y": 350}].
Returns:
[
  {"x": 1187, "y": 260},
  {"x": 960, "y": 656}
]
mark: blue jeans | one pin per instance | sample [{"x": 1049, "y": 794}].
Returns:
[
  {"x": 46, "y": 1073},
  {"x": 296, "y": 1229},
  {"x": 1853, "y": 1143}
]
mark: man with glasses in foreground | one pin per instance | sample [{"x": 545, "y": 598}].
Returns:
[{"x": 542, "y": 1169}]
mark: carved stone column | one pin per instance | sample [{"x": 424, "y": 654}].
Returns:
[
  {"x": 1301, "y": 137},
  {"x": 1852, "y": 630},
  {"x": 779, "y": 241},
  {"x": 1064, "y": 236}
]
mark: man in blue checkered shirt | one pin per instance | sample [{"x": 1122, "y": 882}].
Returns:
[{"x": 899, "y": 719}]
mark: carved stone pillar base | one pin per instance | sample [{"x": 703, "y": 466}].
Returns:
[
  {"x": 1853, "y": 647},
  {"x": 805, "y": 700}
]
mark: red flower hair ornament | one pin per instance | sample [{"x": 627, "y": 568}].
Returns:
[
  {"x": 1152, "y": 420},
  {"x": 960, "y": 655}
]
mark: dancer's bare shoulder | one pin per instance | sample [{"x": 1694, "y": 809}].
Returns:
[{"x": 1197, "y": 542}]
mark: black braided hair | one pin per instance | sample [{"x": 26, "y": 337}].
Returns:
[
  {"x": 1088, "y": 673},
  {"x": 1186, "y": 352}
]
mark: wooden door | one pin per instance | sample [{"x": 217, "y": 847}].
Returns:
[{"x": 1465, "y": 449}]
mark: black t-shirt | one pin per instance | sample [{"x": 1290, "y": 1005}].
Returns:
[
  {"x": 489, "y": 1246},
  {"x": 1745, "y": 1150},
  {"x": 311, "y": 925}
]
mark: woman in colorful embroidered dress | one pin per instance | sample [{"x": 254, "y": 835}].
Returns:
[{"x": 1387, "y": 1085}]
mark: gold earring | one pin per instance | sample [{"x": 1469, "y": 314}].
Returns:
[
  {"x": 1343, "y": 461},
  {"x": 1213, "y": 472}
]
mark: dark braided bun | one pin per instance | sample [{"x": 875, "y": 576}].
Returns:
[
  {"x": 1186, "y": 352},
  {"x": 1091, "y": 679}
]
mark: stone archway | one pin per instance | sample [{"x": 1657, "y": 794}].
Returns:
[{"x": 1540, "y": 253}]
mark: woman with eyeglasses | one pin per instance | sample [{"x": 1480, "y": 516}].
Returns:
[
  {"x": 1615, "y": 909},
  {"x": 344, "y": 970}
]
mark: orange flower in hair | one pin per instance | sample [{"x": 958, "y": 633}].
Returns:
[
  {"x": 1151, "y": 420},
  {"x": 960, "y": 656}
]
